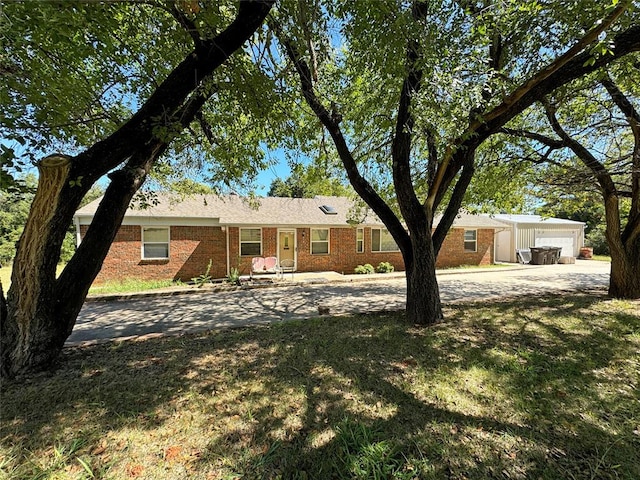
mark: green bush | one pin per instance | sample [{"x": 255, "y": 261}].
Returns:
[
  {"x": 68, "y": 247},
  {"x": 384, "y": 267},
  {"x": 364, "y": 269},
  {"x": 596, "y": 239},
  {"x": 234, "y": 276}
]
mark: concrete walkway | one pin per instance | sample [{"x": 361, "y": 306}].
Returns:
[{"x": 199, "y": 310}]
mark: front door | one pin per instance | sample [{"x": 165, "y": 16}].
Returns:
[{"x": 287, "y": 245}]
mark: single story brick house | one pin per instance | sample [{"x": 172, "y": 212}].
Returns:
[{"x": 174, "y": 237}]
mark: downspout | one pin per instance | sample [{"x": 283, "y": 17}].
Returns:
[
  {"x": 226, "y": 229},
  {"x": 76, "y": 224}
]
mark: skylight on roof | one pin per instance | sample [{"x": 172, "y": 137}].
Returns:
[{"x": 328, "y": 210}]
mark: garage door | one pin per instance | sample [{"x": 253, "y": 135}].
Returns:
[{"x": 568, "y": 240}]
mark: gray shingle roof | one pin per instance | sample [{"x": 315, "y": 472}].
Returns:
[{"x": 237, "y": 210}]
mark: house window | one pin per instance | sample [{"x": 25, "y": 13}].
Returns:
[
  {"x": 155, "y": 243},
  {"x": 250, "y": 242},
  {"x": 470, "y": 241},
  {"x": 382, "y": 241},
  {"x": 360, "y": 240},
  {"x": 320, "y": 241}
]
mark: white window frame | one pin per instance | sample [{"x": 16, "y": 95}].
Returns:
[
  {"x": 474, "y": 241},
  {"x": 240, "y": 242},
  {"x": 359, "y": 240},
  {"x": 143, "y": 243},
  {"x": 379, "y": 246},
  {"x": 312, "y": 241}
]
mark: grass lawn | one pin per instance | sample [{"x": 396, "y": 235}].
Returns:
[
  {"x": 125, "y": 286},
  {"x": 129, "y": 285},
  {"x": 601, "y": 258},
  {"x": 540, "y": 389}
]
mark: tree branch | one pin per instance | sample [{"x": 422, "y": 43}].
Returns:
[
  {"x": 553, "y": 68},
  {"x": 592, "y": 163},
  {"x": 633, "y": 118},
  {"x": 523, "y": 97},
  {"x": 538, "y": 137},
  {"x": 331, "y": 122},
  {"x": 171, "y": 93},
  {"x": 180, "y": 17},
  {"x": 410, "y": 206}
]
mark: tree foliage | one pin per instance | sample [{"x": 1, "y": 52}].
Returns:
[
  {"x": 117, "y": 86},
  {"x": 307, "y": 181},
  {"x": 76, "y": 71},
  {"x": 14, "y": 208},
  {"x": 587, "y": 135},
  {"x": 409, "y": 93}
]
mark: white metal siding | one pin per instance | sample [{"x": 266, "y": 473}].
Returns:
[{"x": 531, "y": 235}]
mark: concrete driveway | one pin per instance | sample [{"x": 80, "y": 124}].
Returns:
[{"x": 99, "y": 321}]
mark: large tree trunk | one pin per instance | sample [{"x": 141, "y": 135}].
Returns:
[
  {"x": 39, "y": 312},
  {"x": 624, "y": 281},
  {"x": 29, "y": 329},
  {"x": 624, "y": 243},
  {"x": 625, "y": 274},
  {"x": 423, "y": 295}
]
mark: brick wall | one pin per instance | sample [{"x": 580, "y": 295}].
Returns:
[
  {"x": 192, "y": 247},
  {"x": 243, "y": 264},
  {"x": 189, "y": 252},
  {"x": 342, "y": 256},
  {"x": 342, "y": 248},
  {"x": 452, "y": 252}
]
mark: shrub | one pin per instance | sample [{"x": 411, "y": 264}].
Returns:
[
  {"x": 364, "y": 269},
  {"x": 234, "y": 276},
  {"x": 200, "y": 280},
  {"x": 598, "y": 241},
  {"x": 384, "y": 267}
]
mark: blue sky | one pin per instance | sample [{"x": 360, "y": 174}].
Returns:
[
  {"x": 265, "y": 177},
  {"x": 280, "y": 169}
]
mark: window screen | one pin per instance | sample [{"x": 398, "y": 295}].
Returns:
[
  {"x": 250, "y": 242},
  {"x": 382, "y": 241},
  {"x": 470, "y": 241},
  {"x": 155, "y": 242},
  {"x": 320, "y": 241}
]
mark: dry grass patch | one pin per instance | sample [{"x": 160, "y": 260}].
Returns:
[{"x": 543, "y": 389}]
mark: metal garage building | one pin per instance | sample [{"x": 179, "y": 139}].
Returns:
[{"x": 526, "y": 231}]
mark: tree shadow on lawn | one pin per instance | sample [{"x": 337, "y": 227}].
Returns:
[{"x": 494, "y": 391}]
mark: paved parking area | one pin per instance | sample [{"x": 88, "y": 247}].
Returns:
[{"x": 200, "y": 311}]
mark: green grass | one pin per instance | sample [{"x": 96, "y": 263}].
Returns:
[
  {"x": 126, "y": 286},
  {"x": 541, "y": 389},
  {"x": 467, "y": 267},
  {"x": 131, "y": 285},
  {"x": 601, "y": 258}
]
